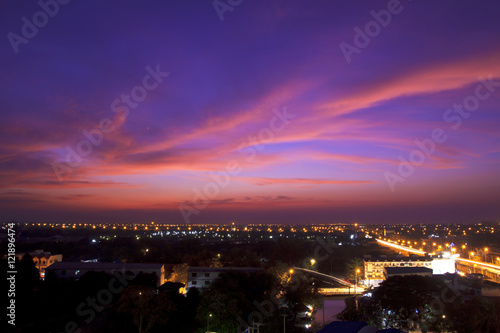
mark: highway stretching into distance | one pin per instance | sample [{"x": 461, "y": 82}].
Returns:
[{"x": 473, "y": 266}]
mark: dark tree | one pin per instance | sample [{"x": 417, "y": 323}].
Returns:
[{"x": 144, "y": 306}]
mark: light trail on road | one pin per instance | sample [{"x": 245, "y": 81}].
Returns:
[
  {"x": 479, "y": 264},
  {"x": 403, "y": 248}
]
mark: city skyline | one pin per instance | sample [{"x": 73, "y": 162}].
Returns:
[{"x": 255, "y": 112}]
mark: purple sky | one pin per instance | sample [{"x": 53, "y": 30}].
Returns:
[{"x": 283, "y": 111}]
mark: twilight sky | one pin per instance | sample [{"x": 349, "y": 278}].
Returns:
[{"x": 250, "y": 111}]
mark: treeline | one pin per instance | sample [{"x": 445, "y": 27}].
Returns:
[
  {"x": 100, "y": 302},
  {"x": 426, "y": 303}
]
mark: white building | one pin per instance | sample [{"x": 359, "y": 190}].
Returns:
[
  {"x": 443, "y": 266},
  {"x": 374, "y": 267}
]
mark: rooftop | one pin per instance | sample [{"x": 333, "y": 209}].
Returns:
[
  {"x": 407, "y": 270},
  {"x": 224, "y": 269},
  {"x": 102, "y": 266},
  {"x": 398, "y": 258}
]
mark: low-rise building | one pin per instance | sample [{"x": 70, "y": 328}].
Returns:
[
  {"x": 374, "y": 267},
  {"x": 74, "y": 270},
  {"x": 42, "y": 259},
  {"x": 404, "y": 271},
  {"x": 202, "y": 277}
]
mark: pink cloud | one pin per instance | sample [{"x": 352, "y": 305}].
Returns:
[
  {"x": 427, "y": 81},
  {"x": 301, "y": 181}
]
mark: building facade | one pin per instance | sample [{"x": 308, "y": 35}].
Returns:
[
  {"x": 405, "y": 271},
  {"x": 74, "y": 270},
  {"x": 42, "y": 260},
  {"x": 202, "y": 277},
  {"x": 374, "y": 267}
]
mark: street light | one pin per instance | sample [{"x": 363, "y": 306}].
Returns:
[
  {"x": 471, "y": 254},
  {"x": 208, "y": 320},
  {"x": 355, "y": 287},
  {"x": 313, "y": 262}
]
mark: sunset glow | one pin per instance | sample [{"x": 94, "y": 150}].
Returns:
[{"x": 166, "y": 113}]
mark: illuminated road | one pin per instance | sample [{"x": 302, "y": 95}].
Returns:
[
  {"x": 402, "y": 248},
  {"x": 324, "y": 277},
  {"x": 472, "y": 266},
  {"x": 346, "y": 289}
]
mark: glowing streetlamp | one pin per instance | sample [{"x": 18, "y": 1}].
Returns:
[
  {"x": 291, "y": 271},
  {"x": 355, "y": 287},
  {"x": 208, "y": 320}
]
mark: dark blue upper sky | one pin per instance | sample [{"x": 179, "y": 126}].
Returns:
[{"x": 281, "y": 112}]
